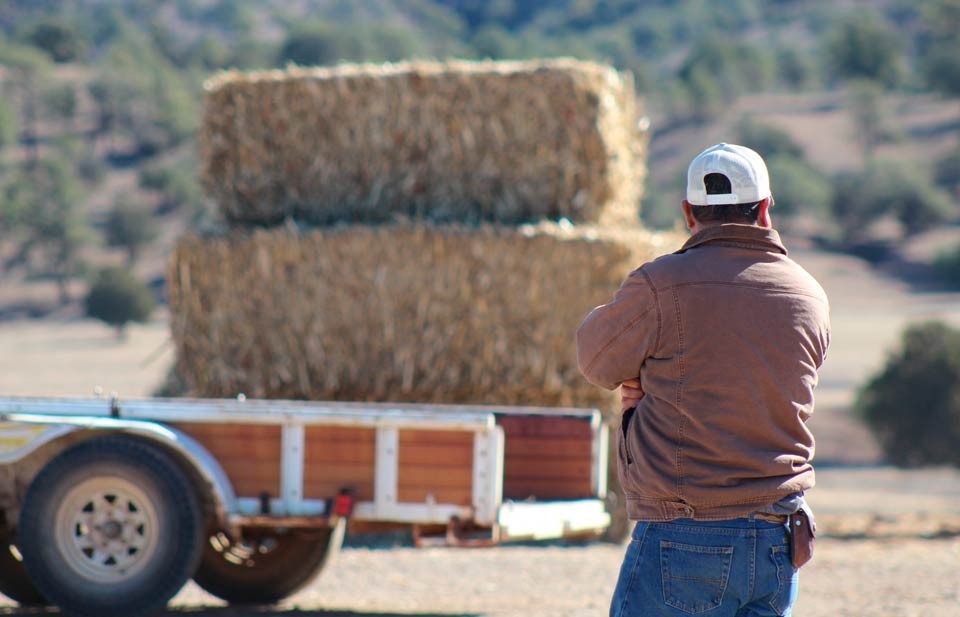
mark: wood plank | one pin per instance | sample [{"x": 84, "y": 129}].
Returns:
[
  {"x": 340, "y": 433},
  {"x": 546, "y": 489},
  {"x": 418, "y": 494},
  {"x": 439, "y": 455},
  {"x": 227, "y": 430},
  {"x": 548, "y": 470},
  {"x": 533, "y": 426},
  {"x": 452, "y": 438},
  {"x": 552, "y": 447},
  {"x": 327, "y": 489},
  {"x": 411, "y": 475},
  {"x": 350, "y": 452},
  {"x": 248, "y": 453}
]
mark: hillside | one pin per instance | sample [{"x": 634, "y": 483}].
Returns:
[{"x": 101, "y": 102}]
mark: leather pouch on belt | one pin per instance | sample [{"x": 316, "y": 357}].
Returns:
[{"x": 803, "y": 531}]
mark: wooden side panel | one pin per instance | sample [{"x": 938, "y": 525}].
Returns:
[
  {"x": 338, "y": 458},
  {"x": 248, "y": 453},
  {"x": 547, "y": 457},
  {"x": 437, "y": 463}
]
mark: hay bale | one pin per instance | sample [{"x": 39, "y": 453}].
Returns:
[
  {"x": 458, "y": 141},
  {"x": 397, "y": 313}
]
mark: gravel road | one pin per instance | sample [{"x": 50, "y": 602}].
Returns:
[{"x": 902, "y": 577}]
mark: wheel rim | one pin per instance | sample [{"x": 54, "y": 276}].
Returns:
[{"x": 107, "y": 529}]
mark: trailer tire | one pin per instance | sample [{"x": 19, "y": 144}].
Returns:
[
  {"x": 15, "y": 583},
  {"x": 267, "y": 566},
  {"x": 111, "y": 526}
]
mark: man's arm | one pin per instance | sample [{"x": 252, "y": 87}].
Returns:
[{"x": 615, "y": 338}]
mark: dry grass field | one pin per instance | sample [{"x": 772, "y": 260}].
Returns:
[{"x": 891, "y": 538}]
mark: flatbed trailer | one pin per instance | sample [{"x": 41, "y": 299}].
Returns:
[{"x": 109, "y": 506}]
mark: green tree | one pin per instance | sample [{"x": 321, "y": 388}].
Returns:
[
  {"x": 889, "y": 189},
  {"x": 737, "y": 66},
  {"x": 947, "y": 172},
  {"x": 52, "y": 219},
  {"x": 768, "y": 140},
  {"x": 863, "y": 46},
  {"x": 9, "y": 124},
  {"x": 27, "y": 67},
  {"x": 947, "y": 266},
  {"x": 796, "y": 68},
  {"x": 869, "y": 114},
  {"x": 60, "y": 99},
  {"x": 57, "y": 38},
  {"x": 798, "y": 188},
  {"x": 117, "y": 298},
  {"x": 322, "y": 43},
  {"x": 40, "y": 214},
  {"x": 129, "y": 227},
  {"x": 941, "y": 58},
  {"x": 178, "y": 186},
  {"x": 913, "y": 403}
]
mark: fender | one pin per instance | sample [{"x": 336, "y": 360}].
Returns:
[{"x": 21, "y": 434}]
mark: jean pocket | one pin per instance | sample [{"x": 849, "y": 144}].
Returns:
[
  {"x": 787, "y": 579},
  {"x": 694, "y": 577}
]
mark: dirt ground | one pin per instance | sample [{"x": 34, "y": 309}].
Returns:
[{"x": 890, "y": 541}]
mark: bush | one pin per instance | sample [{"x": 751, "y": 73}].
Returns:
[
  {"x": 9, "y": 124},
  {"x": 58, "y": 39},
  {"x": 947, "y": 171},
  {"x": 862, "y": 46},
  {"x": 947, "y": 266},
  {"x": 887, "y": 189},
  {"x": 798, "y": 188},
  {"x": 913, "y": 404},
  {"x": 130, "y": 228},
  {"x": 768, "y": 140},
  {"x": 117, "y": 297}
]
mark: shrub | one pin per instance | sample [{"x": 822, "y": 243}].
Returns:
[
  {"x": 913, "y": 403},
  {"x": 947, "y": 171},
  {"x": 797, "y": 187},
  {"x": 117, "y": 297},
  {"x": 769, "y": 141},
  {"x": 130, "y": 228},
  {"x": 866, "y": 47},
  {"x": 947, "y": 266},
  {"x": 887, "y": 189}
]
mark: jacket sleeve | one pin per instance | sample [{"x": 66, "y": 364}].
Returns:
[{"x": 616, "y": 338}]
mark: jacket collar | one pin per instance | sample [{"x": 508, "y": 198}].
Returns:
[{"x": 741, "y": 236}]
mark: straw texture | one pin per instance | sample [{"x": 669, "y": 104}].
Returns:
[
  {"x": 504, "y": 142},
  {"x": 411, "y": 313}
]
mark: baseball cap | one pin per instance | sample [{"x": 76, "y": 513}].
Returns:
[{"x": 749, "y": 179}]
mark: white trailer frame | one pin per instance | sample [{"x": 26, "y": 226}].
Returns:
[{"x": 28, "y": 423}]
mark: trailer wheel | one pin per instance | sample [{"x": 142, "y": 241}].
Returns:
[
  {"x": 111, "y": 526},
  {"x": 265, "y": 567},
  {"x": 14, "y": 581}
]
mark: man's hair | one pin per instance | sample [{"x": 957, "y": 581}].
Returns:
[{"x": 719, "y": 184}]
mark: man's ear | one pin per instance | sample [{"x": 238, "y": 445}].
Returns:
[
  {"x": 763, "y": 218},
  {"x": 688, "y": 215}
]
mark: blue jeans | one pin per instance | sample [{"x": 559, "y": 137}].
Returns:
[{"x": 733, "y": 568}]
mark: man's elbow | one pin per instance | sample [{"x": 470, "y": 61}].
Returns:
[{"x": 590, "y": 366}]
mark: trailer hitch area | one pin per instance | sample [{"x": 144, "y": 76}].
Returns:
[
  {"x": 343, "y": 503},
  {"x": 459, "y": 533}
]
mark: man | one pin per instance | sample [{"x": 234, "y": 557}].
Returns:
[{"x": 717, "y": 348}]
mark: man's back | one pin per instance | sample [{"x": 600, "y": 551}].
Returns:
[
  {"x": 716, "y": 348},
  {"x": 742, "y": 331}
]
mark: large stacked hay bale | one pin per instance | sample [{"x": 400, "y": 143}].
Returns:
[
  {"x": 506, "y": 142},
  {"x": 397, "y": 313}
]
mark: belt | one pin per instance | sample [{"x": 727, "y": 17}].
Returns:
[{"x": 770, "y": 518}]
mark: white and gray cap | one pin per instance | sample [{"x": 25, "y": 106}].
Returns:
[{"x": 749, "y": 179}]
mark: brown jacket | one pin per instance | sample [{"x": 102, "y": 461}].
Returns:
[{"x": 726, "y": 336}]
